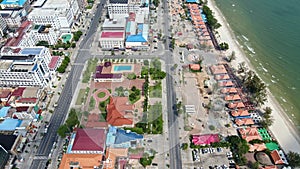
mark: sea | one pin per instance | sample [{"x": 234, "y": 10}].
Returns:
[{"x": 269, "y": 32}]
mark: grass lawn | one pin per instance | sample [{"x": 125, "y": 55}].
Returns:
[
  {"x": 101, "y": 94},
  {"x": 155, "y": 63},
  {"x": 92, "y": 103},
  {"x": 156, "y": 91},
  {"x": 155, "y": 118},
  {"x": 91, "y": 67},
  {"x": 102, "y": 105},
  {"x": 80, "y": 98}
]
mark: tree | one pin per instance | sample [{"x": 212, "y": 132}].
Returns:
[
  {"x": 224, "y": 46},
  {"x": 255, "y": 87},
  {"x": 43, "y": 43},
  {"x": 231, "y": 57},
  {"x": 293, "y": 159},
  {"x": 184, "y": 146},
  {"x": 73, "y": 45},
  {"x": 62, "y": 131}
]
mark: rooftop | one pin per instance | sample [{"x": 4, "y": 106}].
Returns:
[
  {"x": 13, "y": 2},
  {"x": 7, "y": 141},
  {"x": 205, "y": 139},
  {"x": 101, "y": 75},
  {"x": 112, "y": 35},
  {"x": 111, "y": 156},
  {"x": 10, "y": 124},
  {"x": 4, "y": 111},
  {"x": 249, "y": 133},
  {"x": 4, "y": 93},
  {"x": 53, "y": 62},
  {"x": 89, "y": 140},
  {"x": 85, "y": 161}
]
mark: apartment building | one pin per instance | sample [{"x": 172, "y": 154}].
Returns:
[
  {"x": 3, "y": 26},
  {"x": 24, "y": 66},
  {"x": 60, "y": 14},
  {"x": 12, "y": 18},
  {"x": 124, "y": 7}
]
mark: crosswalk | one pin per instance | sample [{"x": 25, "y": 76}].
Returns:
[{"x": 37, "y": 157}]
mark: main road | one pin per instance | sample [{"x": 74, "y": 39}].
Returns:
[
  {"x": 173, "y": 128},
  {"x": 67, "y": 93}
]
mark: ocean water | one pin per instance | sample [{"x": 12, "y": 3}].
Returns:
[{"x": 269, "y": 32}]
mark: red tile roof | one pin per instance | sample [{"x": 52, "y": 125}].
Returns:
[
  {"x": 117, "y": 110},
  {"x": 111, "y": 156},
  {"x": 27, "y": 100},
  {"x": 244, "y": 121},
  {"x": 257, "y": 147},
  {"x": 18, "y": 92},
  {"x": 5, "y": 93},
  {"x": 21, "y": 109},
  {"x": 218, "y": 69},
  {"x": 194, "y": 66},
  {"x": 53, "y": 62},
  {"x": 229, "y": 90},
  {"x": 85, "y": 161},
  {"x": 89, "y": 140},
  {"x": 240, "y": 112},
  {"x": 276, "y": 157},
  {"x": 250, "y": 133},
  {"x": 232, "y": 97},
  {"x": 112, "y": 34}
]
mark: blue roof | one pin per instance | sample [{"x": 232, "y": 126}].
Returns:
[
  {"x": 192, "y": 1},
  {"x": 10, "y": 124},
  {"x": 140, "y": 29},
  {"x": 123, "y": 136},
  {"x": 13, "y": 2},
  {"x": 242, "y": 117},
  {"x": 4, "y": 111},
  {"x": 128, "y": 26},
  {"x": 31, "y": 51},
  {"x": 136, "y": 38}
]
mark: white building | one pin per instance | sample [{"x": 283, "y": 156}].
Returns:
[
  {"x": 3, "y": 26},
  {"x": 123, "y": 7},
  {"x": 111, "y": 40},
  {"x": 13, "y": 18},
  {"x": 39, "y": 33},
  {"x": 60, "y": 14},
  {"x": 24, "y": 66}
]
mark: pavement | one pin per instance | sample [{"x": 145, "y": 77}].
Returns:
[{"x": 61, "y": 111}]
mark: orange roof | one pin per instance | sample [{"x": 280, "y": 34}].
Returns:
[
  {"x": 227, "y": 83},
  {"x": 111, "y": 156},
  {"x": 84, "y": 161},
  {"x": 229, "y": 90},
  {"x": 240, "y": 112},
  {"x": 271, "y": 167},
  {"x": 222, "y": 77},
  {"x": 276, "y": 157},
  {"x": 119, "y": 111},
  {"x": 236, "y": 105},
  {"x": 249, "y": 133},
  {"x": 257, "y": 147},
  {"x": 244, "y": 121},
  {"x": 194, "y": 66},
  {"x": 218, "y": 69},
  {"x": 232, "y": 97}
]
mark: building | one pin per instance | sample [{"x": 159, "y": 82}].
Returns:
[
  {"x": 244, "y": 121},
  {"x": 115, "y": 157},
  {"x": 205, "y": 139},
  {"x": 111, "y": 40},
  {"x": 12, "y": 18},
  {"x": 249, "y": 133},
  {"x": 119, "y": 138},
  {"x": 104, "y": 74},
  {"x": 17, "y": 4},
  {"x": 9, "y": 143},
  {"x": 117, "y": 24},
  {"x": 4, "y": 157},
  {"x": 4, "y": 95},
  {"x": 84, "y": 161},
  {"x": 240, "y": 113},
  {"x": 16, "y": 38},
  {"x": 120, "y": 112},
  {"x": 124, "y": 7},
  {"x": 218, "y": 69},
  {"x": 257, "y": 147},
  {"x": 87, "y": 141},
  {"x": 54, "y": 63},
  {"x": 136, "y": 34},
  {"x": 60, "y": 14},
  {"x": 3, "y": 26},
  {"x": 24, "y": 67},
  {"x": 278, "y": 157}
]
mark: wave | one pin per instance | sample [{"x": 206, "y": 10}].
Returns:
[
  {"x": 245, "y": 37},
  {"x": 273, "y": 81},
  {"x": 283, "y": 99},
  {"x": 250, "y": 49}
]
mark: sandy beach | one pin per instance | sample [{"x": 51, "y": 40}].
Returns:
[{"x": 282, "y": 128}]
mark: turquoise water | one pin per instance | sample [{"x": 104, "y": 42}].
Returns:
[
  {"x": 122, "y": 68},
  {"x": 269, "y": 32}
]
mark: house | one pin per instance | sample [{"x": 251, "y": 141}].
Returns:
[
  {"x": 227, "y": 83},
  {"x": 120, "y": 112},
  {"x": 114, "y": 156},
  {"x": 257, "y": 147},
  {"x": 54, "y": 63},
  {"x": 101, "y": 76},
  {"x": 240, "y": 113},
  {"x": 4, "y": 95},
  {"x": 278, "y": 157},
  {"x": 230, "y": 90},
  {"x": 195, "y": 67},
  {"x": 222, "y": 77},
  {"x": 84, "y": 161},
  {"x": 88, "y": 141},
  {"x": 232, "y": 97},
  {"x": 119, "y": 138},
  {"x": 237, "y": 105},
  {"x": 249, "y": 133},
  {"x": 244, "y": 121},
  {"x": 270, "y": 167},
  {"x": 218, "y": 69},
  {"x": 205, "y": 139}
]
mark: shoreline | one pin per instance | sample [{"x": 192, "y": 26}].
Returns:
[{"x": 283, "y": 128}]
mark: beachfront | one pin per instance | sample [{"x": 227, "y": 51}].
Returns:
[{"x": 282, "y": 127}]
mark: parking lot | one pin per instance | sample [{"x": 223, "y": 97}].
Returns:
[{"x": 212, "y": 158}]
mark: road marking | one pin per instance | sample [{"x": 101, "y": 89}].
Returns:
[{"x": 40, "y": 158}]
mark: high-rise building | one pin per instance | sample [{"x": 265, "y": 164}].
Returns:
[{"x": 24, "y": 66}]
